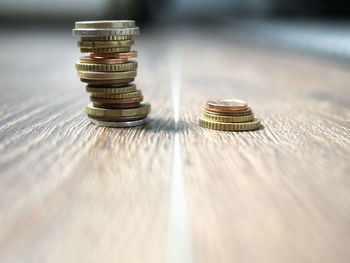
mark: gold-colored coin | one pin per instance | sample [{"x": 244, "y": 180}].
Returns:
[
  {"x": 131, "y": 118},
  {"x": 106, "y": 75},
  {"x": 107, "y": 38},
  {"x": 127, "y": 95},
  {"x": 105, "y": 44},
  {"x": 107, "y": 82},
  {"x": 218, "y": 118},
  {"x": 105, "y": 50},
  {"x": 112, "y": 89},
  {"x": 105, "y": 24},
  {"x": 130, "y": 65},
  {"x": 143, "y": 109},
  {"x": 115, "y": 103},
  {"x": 226, "y": 126}
]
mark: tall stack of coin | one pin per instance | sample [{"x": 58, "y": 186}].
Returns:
[
  {"x": 108, "y": 72},
  {"x": 228, "y": 115}
]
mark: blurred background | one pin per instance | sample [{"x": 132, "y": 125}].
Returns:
[
  {"x": 148, "y": 11},
  {"x": 314, "y": 26}
]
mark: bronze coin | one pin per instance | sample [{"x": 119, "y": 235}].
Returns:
[
  {"x": 226, "y": 104},
  {"x": 245, "y": 112},
  {"x": 87, "y": 59},
  {"x": 131, "y": 54},
  {"x": 107, "y": 82},
  {"x": 115, "y": 106},
  {"x": 107, "y": 86},
  {"x": 117, "y": 101}
]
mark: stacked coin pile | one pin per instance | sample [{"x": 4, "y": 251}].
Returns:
[
  {"x": 108, "y": 72},
  {"x": 228, "y": 115}
]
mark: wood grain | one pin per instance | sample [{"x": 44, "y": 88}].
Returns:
[
  {"x": 279, "y": 194},
  {"x": 73, "y": 192}
]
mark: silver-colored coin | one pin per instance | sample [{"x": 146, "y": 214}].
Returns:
[
  {"x": 132, "y": 31},
  {"x": 118, "y": 124}
]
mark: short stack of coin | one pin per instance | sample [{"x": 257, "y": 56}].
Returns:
[
  {"x": 228, "y": 115},
  {"x": 108, "y": 72}
]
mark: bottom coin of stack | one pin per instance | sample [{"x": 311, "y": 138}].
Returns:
[{"x": 228, "y": 115}]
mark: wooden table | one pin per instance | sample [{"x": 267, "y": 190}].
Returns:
[{"x": 172, "y": 191}]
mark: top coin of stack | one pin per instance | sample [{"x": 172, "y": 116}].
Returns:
[
  {"x": 115, "y": 101},
  {"x": 228, "y": 115}
]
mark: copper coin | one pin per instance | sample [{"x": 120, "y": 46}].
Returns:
[
  {"x": 87, "y": 59},
  {"x": 117, "y": 101},
  {"x": 227, "y": 104},
  {"x": 107, "y": 82},
  {"x": 131, "y": 54},
  {"x": 115, "y": 106},
  {"x": 107, "y": 86},
  {"x": 245, "y": 112}
]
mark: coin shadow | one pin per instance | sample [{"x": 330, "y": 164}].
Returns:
[
  {"x": 261, "y": 128},
  {"x": 157, "y": 125}
]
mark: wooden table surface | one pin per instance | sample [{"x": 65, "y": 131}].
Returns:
[{"x": 172, "y": 191}]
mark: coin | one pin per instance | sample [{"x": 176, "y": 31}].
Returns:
[
  {"x": 131, "y": 54},
  {"x": 226, "y": 104},
  {"x": 111, "y": 89},
  {"x": 107, "y": 82},
  {"x": 105, "y": 50},
  {"x": 105, "y": 32},
  {"x": 226, "y": 126},
  {"x": 131, "y": 65},
  {"x": 89, "y": 60},
  {"x": 105, "y": 24},
  {"x": 131, "y": 118},
  {"x": 107, "y": 38},
  {"x": 105, "y": 44},
  {"x": 143, "y": 109},
  {"x": 127, "y": 95},
  {"x": 118, "y": 124},
  {"x": 106, "y": 75},
  {"x": 117, "y": 101},
  {"x": 115, "y": 106},
  {"x": 219, "y": 118},
  {"x": 245, "y": 112}
]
